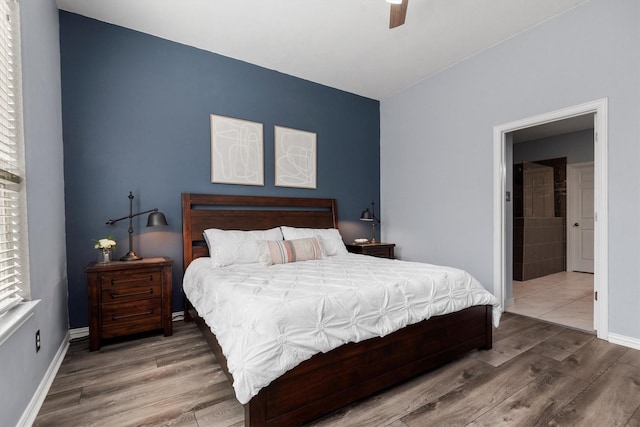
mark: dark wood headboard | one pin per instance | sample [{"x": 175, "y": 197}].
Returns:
[{"x": 203, "y": 211}]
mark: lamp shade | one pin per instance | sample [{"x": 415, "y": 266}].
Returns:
[
  {"x": 156, "y": 219},
  {"x": 366, "y": 215}
]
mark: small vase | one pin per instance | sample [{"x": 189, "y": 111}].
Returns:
[{"x": 104, "y": 257}]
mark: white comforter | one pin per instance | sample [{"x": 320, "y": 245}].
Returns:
[{"x": 269, "y": 319}]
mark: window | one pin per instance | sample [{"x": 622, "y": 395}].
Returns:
[{"x": 13, "y": 243}]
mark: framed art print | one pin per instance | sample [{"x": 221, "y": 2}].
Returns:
[
  {"x": 237, "y": 151},
  {"x": 295, "y": 158}
]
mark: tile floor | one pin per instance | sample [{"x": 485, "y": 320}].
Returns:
[{"x": 565, "y": 298}]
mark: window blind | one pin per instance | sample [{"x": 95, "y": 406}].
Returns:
[{"x": 11, "y": 170}]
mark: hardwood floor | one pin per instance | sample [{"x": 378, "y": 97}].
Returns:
[{"x": 537, "y": 374}]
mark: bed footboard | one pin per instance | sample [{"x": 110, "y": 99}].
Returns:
[{"x": 329, "y": 381}]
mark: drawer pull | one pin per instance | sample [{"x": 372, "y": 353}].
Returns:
[
  {"x": 114, "y": 296},
  {"x": 115, "y": 282},
  {"x": 146, "y": 313}
]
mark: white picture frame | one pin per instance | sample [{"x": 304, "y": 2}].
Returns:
[
  {"x": 295, "y": 158},
  {"x": 237, "y": 151}
]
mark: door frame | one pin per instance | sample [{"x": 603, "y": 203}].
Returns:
[{"x": 601, "y": 238}]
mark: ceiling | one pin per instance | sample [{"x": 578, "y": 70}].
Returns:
[
  {"x": 558, "y": 127},
  {"x": 345, "y": 44}
]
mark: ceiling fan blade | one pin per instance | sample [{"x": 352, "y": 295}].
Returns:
[{"x": 398, "y": 13}]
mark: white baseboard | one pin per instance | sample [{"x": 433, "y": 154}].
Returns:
[
  {"x": 625, "y": 341},
  {"x": 31, "y": 412},
  {"x": 78, "y": 333},
  {"x": 509, "y": 302}
]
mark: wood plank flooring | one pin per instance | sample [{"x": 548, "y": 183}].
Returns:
[{"x": 536, "y": 374}]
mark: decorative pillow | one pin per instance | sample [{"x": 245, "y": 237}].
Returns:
[
  {"x": 227, "y": 247},
  {"x": 329, "y": 238},
  {"x": 284, "y": 251}
]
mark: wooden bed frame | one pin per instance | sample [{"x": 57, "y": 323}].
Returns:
[{"x": 327, "y": 381}]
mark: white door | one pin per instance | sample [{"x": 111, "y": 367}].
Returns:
[{"x": 580, "y": 217}]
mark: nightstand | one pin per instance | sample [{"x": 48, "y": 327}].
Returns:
[
  {"x": 381, "y": 250},
  {"x": 128, "y": 297}
]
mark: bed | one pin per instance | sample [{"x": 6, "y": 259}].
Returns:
[{"x": 328, "y": 380}]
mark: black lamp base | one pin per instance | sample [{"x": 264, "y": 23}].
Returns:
[{"x": 131, "y": 256}]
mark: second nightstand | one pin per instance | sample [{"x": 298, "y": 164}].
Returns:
[
  {"x": 380, "y": 250},
  {"x": 127, "y": 297}
]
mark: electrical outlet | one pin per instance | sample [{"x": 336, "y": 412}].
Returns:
[{"x": 38, "y": 340}]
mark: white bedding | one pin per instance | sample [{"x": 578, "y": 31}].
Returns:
[{"x": 269, "y": 319}]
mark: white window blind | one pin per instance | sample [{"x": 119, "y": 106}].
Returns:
[{"x": 11, "y": 161}]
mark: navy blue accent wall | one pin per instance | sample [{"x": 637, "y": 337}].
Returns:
[{"x": 136, "y": 118}]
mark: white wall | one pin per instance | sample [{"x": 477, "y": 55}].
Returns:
[
  {"x": 436, "y": 142},
  {"x": 22, "y": 369}
]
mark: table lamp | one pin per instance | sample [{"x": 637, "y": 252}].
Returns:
[
  {"x": 156, "y": 218},
  {"x": 370, "y": 215}
]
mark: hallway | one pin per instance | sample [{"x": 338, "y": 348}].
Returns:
[{"x": 565, "y": 298}]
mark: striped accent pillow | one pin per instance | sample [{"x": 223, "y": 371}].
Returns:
[{"x": 284, "y": 251}]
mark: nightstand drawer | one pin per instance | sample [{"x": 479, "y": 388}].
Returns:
[
  {"x": 133, "y": 327},
  {"x": 130, "y": 287},
  {"x": 125, "y": 279},
  {"x": 130, "y": 317},
  {"x": 381, "y": 252}
]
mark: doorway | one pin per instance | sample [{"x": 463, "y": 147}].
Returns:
[
  {"x": 544, "y": 285},
  {"x": 503, "y": 142}
]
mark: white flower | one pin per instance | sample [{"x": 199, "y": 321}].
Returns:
[{"x": 105, "y": 244}]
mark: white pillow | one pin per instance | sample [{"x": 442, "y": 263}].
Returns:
[
  {"x": 330, "y": 238},
  {"x": 227, "y": 247}
]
